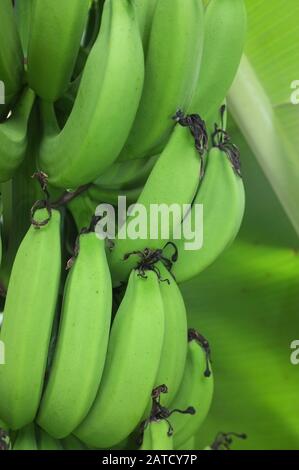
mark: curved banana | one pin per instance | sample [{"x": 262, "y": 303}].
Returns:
[
  {"x": 46, "y": 442},
  {"x": 82, "y": 341},
  {"x": 26, "y": 439},
  {"x": 71, "y": 442},
  {"x": 11, "y": 57},
  {"x": 224, "y": 38},
  {"x": 174, "y": 351},
  {"x": 223, "y": 198},
  {"x": 97, "y": 127},
  {"x": 171, "y": 74},
  {"x": 196, "y": 390},
  {"x": 28, "y": 318},
  {"x": 157, "y": 437},
  {"x": 13, "y": 136},
  {"x": 131, "y": 367},
  {"x": 174, "y": 179},
  {"x": 56, "y": 30}
]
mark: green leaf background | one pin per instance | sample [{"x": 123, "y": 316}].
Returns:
[{"x": 247, "y": 302}]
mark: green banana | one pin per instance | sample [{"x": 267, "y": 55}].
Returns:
[
  {"x": 175, "y": 49},
  {"x": 131, "y": 367},
  {"x": 174, "y": 179},
  {"x": 145, "y": 12},
  {"x": 28, "y": 317},
  {"x": 56, "y": 29},
  {"x": 11, "y": 57},
  {"x": 82, "y": 341},
  {"x": 223, "y": 198},
  {"x": 174, "y": 351},
  {"x": 13, "y": 136},
  {"x": 71, "y": 442},
  {"x": 46, "y": 442},
  {"x": 224, "y": 38},
  {"x": 97, "y": 128},
  {"x": 26, "y": 438},
  {"x": 156, "y": 436},
  {"x": 196, "y": 390}
]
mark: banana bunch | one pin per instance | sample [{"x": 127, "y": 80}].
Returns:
[{"x": 110, "y": 98}]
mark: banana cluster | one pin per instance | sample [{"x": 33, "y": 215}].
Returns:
[{"x": 109, "y": 98}]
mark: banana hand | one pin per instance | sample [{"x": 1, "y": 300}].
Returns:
[
  {"x": 97, "y": 128},
  {"x": 223, "y": 198}
]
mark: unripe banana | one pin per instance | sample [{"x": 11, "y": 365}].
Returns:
[
  {"x": 46, "y": 442},
  {"x": 171, "y": 74},
  {"x": 131, "y": 367},
  {"x": 11, "y": 57},
  {"x": 223, "y": 198},
  {"x": 157, "y": 437},
  {"x": 196, "y": 390},
  {"x": 26, "y": 439},
  {"x": 28, "y": 318},
  {"x": 174, "y": 179},
  {"x": 56, "y": 30},
  {"x": 174, "y": 351},
  {"x": 13, "y": 136},
  {"x": 97, "y": 128},
  {"x": 224, "y": 38},
  {"x": 82, "y": 340}
]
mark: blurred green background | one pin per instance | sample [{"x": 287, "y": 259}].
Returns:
[{"x": 247, "y": 302}]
